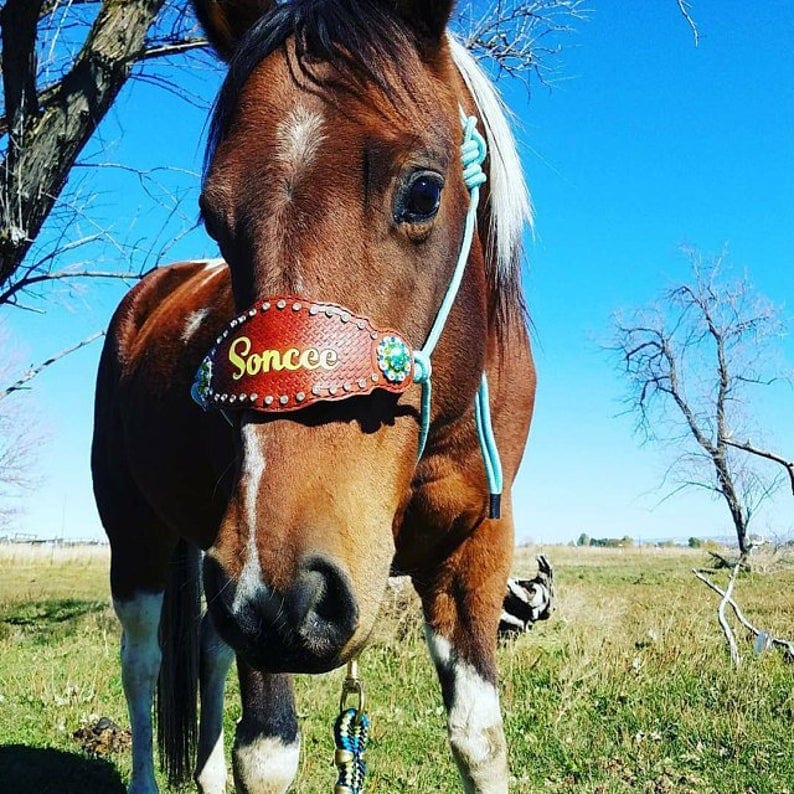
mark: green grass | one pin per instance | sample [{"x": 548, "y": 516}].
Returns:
[{"x": 627, "y": 689}]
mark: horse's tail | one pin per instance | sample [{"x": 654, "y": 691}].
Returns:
[{"x": 177, "y": 687}]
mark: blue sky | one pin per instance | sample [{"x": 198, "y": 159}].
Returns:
[{"x": 644, "y": 143}]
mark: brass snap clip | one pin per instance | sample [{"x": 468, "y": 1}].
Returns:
[{"x": 352, "y": 686}]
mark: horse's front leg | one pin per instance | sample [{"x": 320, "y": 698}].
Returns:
[
  {"x": 266, "y": 744},
  {"x": 462, "y": 602},
  {"x": 140, "y": 663},
  {"x": 216, "y": 658}
]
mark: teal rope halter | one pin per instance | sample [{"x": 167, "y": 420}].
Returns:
[
  {"x": 351, "y": 729},
  {"x": 474, "y": 150}
]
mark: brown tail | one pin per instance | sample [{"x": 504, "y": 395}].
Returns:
[{"x": 177, "y": 687}]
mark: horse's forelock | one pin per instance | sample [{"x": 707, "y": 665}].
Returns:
[{"x": 366, "y": 42}]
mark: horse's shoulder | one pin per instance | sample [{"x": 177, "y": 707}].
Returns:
[{"x": 164, "y": 300}]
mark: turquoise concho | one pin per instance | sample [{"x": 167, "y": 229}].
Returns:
[
  {"x": 394, "y": 359},
  {"x": 200, "y": 390}
]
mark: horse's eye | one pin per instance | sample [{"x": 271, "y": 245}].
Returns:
[{"x": 420, "y": 198}]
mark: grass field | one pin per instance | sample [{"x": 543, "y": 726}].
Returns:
[{"x": 626, "y": 689}]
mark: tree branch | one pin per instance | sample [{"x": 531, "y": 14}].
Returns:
[
  {"x": 762, "y": 453},
  {"x": 173, "y": 48},
  {"x": 683, "y": 7},
  {"x": 726, "y": 627},
  {"x": 51, "y": 6},
  {"x": 786, "y": 645},
  {"x": 61, "y": 275},
  {"x": 21, "y": 384}
]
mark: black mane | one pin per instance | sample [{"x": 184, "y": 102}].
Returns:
[{"x": 367, "y": 42}]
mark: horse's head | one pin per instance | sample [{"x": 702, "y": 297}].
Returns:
[{"x": 334, "y": 174}]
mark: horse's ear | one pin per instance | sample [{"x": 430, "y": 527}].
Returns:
[
  {"x": 429, "y": 18},
  {"x": 226, "y": 21}
]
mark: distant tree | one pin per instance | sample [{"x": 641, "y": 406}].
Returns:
[
  {"x": 19, "y": 444},
  {"x": 691, "y": 361},
  {"x": 612, "y": 543},
  {"x": 583, "y": 540}
]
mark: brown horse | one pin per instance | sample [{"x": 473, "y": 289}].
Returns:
[{"x": 333, "y": 171}]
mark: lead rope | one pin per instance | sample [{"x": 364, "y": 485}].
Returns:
[
  {"x": 351, "y": 732},
  {"x": 474, "y": 150}
]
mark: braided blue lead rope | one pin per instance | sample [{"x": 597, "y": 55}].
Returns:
[
  {"x": 351, "y": 733},
  {"x": 473, "y": 153}
]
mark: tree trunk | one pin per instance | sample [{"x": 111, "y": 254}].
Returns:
[{"x": 39, "y": 159}]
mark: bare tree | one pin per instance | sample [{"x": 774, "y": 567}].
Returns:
[
  {"x": 691, "y": 361},
  {"x": 19, "y": 443},
  {"x": 64, "y": 63},
  {"x": 521, "y": 39}
]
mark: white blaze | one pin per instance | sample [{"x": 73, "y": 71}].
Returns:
[{"x": 253, "y": 469}]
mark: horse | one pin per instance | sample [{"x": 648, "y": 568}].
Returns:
[{"x": 361, "y": 176}]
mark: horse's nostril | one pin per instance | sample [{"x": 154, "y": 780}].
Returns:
[
  {"x": 301, "y": 629},
  {"x": 306, "y": 594},
  {"x": 321, "y": 603}
]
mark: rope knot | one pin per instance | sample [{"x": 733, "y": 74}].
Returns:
[
  {"x": 473, "y": 152},
  {"x": 423, "y": 369}
]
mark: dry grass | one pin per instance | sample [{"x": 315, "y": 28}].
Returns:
[{"x": 33, "y": 572}]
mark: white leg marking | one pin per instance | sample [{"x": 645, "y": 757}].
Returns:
[
  {"x": 140, "y": 663},
  {"x": 474, "y": 721},
  {"x": 266, "y": 766},
  {"x": 253, "y": 468},
  {"x": 216, "y": 659}
]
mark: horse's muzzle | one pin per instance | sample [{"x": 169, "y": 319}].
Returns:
[{"x": 302, "y": 629}]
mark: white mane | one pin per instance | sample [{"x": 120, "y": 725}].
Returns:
[{"x": 511, "y": 208}]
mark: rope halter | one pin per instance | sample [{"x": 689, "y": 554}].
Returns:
[{"x": 473, "y": 152}]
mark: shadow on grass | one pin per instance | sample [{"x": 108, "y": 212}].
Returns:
[
  {"x": 43, "y": 621},
  {"x": 50, "y": 612},
  {"x": 47, "y": 771}
]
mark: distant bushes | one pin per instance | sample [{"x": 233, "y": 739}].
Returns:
[
  {"x": 703, "y": 543},
  {"x": 605, "y": 543},
  {"x": 627, "y": 542}
]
